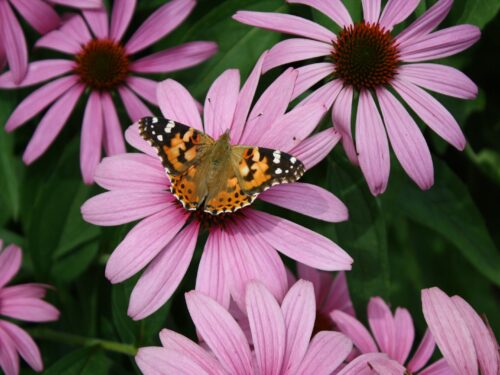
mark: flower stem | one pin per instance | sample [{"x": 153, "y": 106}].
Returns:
[{"x": 68, "y": 338}]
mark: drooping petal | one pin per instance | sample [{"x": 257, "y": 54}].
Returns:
[
  {"x": 52, "y": 123},
  {"x": 299, "y": 311},
  {"x": 10, "y": 262},
  {"x": 28, "y": 290},
  {"x": 3, "y": 57},
  {"x": 341, "y": 120},
  {"x": 158, "y": 361},
  {"x": 134, "y": 139},
  {"x": 334, "y": 9},
  {"x": 98, "y": 22},
  {"x": 295, "y": 49},
  {"x": 352, "y": 328},
  {"x": 363, "y": 365},
  {"x": 382, "y": 326},
  {"x": 396, "y": 11},
  {"x": 325, "y": 95},
  {"x": 177, "y": 104},
  {"x": 144, "y": 87},
  {"x": 314, "y": 149},
  {"x": 221, "y": 333},
  {"x": 338, "y": 297},
  {"x": 29, "y": 309},
  {"x": 220, "y": 103},
  {"x": 164, "y": 274},
  {"x": 80, "y": 4},
  {"x": 123, "y": 10},
  {"x": 211, "y": 278},
  {"x": 450, "y": 331},
  {"x": 40, "y": 15},
  {"x": 113, "y": 135},
  {"x": 91, "y": 137},
  {"x": 14, "y": 43},
  {"x": 439, "y": 78},
  {"x": 287, "y": 24},
  {"x": 371, "y": 10},
  {"x": 433, "y": 113},
  {"x": 405, "y": 334},
  {"x": 38, "y": 71},
  {"x": 442, "y": 43},
  {"x": 159, "y": 24},
  {"x": 307, "y": 199},
  {"x": 134, "y": 106},
  {"x": 440, "y": 367},
  {"x": 9, "y": 359},
  {"x": 423, "y": 353},
  {"x": 299, "y": 243},
  {"x": 311, "y": 74},
  {"x": 372, "y": 144},
  {"x": 268, "y": 328},
  {"x": 24, "y": 344},
  {"x": 144, "y": 242},
  {"x": 176, "y": 58},
  {"x": 407, "y": 140}
]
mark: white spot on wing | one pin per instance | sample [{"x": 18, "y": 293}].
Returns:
[
  {"x": 278, "y": 171},
  {"x": 155, "y": 120},
  {"x": 159, "y": 137},
  {"x": 293, "y": 160},
  {"x": 170, "y": 125}
]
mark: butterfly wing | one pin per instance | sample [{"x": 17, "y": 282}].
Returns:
[
  {"x": 229, "y": 198},
  {"x": 178, "y": 146}
]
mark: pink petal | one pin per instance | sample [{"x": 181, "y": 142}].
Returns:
[
  {"x": 433, "y": 113},
  {"x": 144, "y": 242},
  {"x": 371, "y": 10},
  {"x": 113, "y": 136},
  {"x": 164, "y": 274},
  {"x": 134, "y": 106},
  {"x": 450, "y": 331},
  {"x": 299, "y": 312},
  {"x": 325, "y": 354},
  {"x": 157, "y": 361},
  {"x": 134, "y": 139},
  {"x": 425, "y": 23},
  {"x": 387, "y": 367},
  {"x": 372, "y": 145},
  {"x": 76, "y": 29},
  {"x": 80, "y": 4},
  {"x": 52, "y": 123},
  {"x": 41, "y": 16},
  {"x": 134, "y": 172},
  {"x": 423, "y": 353},
  {"x": 405, "y": 334},
  {"x": 221, "y": 332},
  {"x": 245, "y": 99},
  {"x": 307, "y": 199},
  {"x": 309, "y": 75},
  {"x": 28, "y": 290},
  {"x": 29, "y": 309},
  {"x": 38, "y": 71},
  {"x": 314, "y": 149},
  {"x": 442, "y": 43},
  {"x": 10, "y": 262},
  {"x": 159, "y": 24},
  {"x": 14, "y": 43},
  {"x": 320, "y": 280},
  {"x": 351, "y": 327},
  {"x": 338, "y": 297},
  {"x": 439, "y": 78},
  {"x": 174, "y": 341},
  {"x": 176, "y": 58},
  {"x": 24, "y": 344},
  {"x": 177, "y": 104},
  {"x": 98, "y": 22},
  {"x": 484, "y": 342},
  {"x": 342, "y": 120},
  {"x": 271, "y": 105},
  {"x": 363, "y": 365},
  {"x": 211, "y": 278},
  {"x": 220, "y": 103},
  {"x": 268, "y": 328},
  {"x": 382, "y": 325},
  {"x": 299, "y": 243},
  {"x": 325, "y": 95},
  {"x": 58, "y": 40},
  {"x": 334, "y": 9},
  {"x": 120, "y": 18},
  {"x": 38, "y": 100},
  {"x": 9, "y": 359},
  {"x": 286, "y": 24},
  {"x": 91, "y": 138},
  {"x": 396, "y": 11},
  {"x": 440, "y": 367},
  {"x": 292, "y": 50},
  {"x": 407, "y": 140},
  {"x": 144, "y": 87},
  {"x": 3, "y": 57}
]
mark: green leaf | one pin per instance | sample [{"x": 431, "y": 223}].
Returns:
[
  {"x": 478, "y": 12},
  {"x": 448, "y": 209},
  {"x": 87, "y": 361}
]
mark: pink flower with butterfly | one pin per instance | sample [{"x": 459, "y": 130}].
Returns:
[
  {"x": 41, "y": 16},
  {"x": 364, "y": 64},
  {"x": 102, "y": 64},
  {"x": 20, "y": 302},
  {"x": 242, "y": 244}
]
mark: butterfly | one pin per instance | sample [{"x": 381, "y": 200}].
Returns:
[{"x": 214, "y": 175}]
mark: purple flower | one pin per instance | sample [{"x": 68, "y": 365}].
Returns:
[
  {"x": 240, "y": 246},
  {"x": 103, "y": 65},
  {"x": 367, "y": 58},
  {"x": 21, "y": 302}
]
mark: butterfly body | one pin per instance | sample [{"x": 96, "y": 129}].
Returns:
[{"x": 214, "y": 175}]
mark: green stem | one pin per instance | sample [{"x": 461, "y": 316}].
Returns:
[{"x": 68, "y": 338}]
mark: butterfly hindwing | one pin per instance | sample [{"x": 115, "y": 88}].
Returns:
[
  {"x": 229, "y": 199},
  {"x": 179, "y": 146}
]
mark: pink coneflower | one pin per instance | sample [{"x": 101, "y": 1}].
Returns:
[
  {"x": 367, "y": 59},
  {"x": 394, "y": 335},
  {"x": 38, "y": 14},
  {"x": 101, "y": 65},
  {"x": 281, "y": 336},
  {"x": 240, "y": 246},
  {"x": 468, "y": 345},
  {"x": 22, "y": 302}
]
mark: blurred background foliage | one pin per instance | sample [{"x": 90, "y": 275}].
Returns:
[{"x": 401, "y": 242}]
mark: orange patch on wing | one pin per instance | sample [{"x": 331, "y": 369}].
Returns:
[
  {"x": 229, "y": 200},
  {"x": 184, "y": 190}
]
